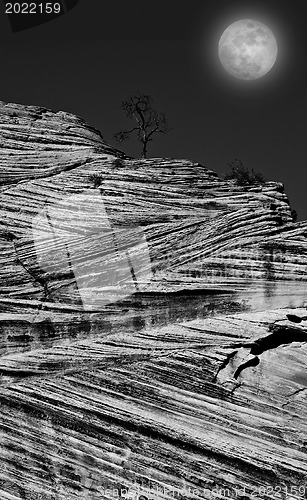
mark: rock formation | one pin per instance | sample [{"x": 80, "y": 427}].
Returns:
[{"x": 98, "y": 399}]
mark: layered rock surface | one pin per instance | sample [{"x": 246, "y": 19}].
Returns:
[
  {"x": 157, "y": 413},
  {"x": 94, "y": 396},
  {"x": 186, "y": 227}
]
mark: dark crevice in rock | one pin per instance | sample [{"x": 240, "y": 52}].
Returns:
[
  {"x": 251, "y": 362},
  {"x": 280, "y": 336},
  {"x": 296, "y": 319},
  {"x": 235, "y": 387},
  {"x": 296, "y": 392},
  {"x": 224, "y": 364},
  {"x": 293, "y": 394}
]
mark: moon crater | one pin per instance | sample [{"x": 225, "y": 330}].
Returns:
[{"x": 247, "y": 49}]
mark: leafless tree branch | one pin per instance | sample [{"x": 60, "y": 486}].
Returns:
[{"x": 139, "y": 108}]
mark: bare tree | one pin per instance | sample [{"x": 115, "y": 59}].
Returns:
[{"x": 148, "y": 121}]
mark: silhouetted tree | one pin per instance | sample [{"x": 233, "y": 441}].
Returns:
[
  {"x": 242, "y": 174},
  {"x": 148, "y": 121}
]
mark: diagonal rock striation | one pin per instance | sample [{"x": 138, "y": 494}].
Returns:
[
  {"x": 201, "y": 232},
  {"x": 127, "y": 366}
]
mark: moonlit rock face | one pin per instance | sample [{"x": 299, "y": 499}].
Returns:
[{"x": 247, "y": 49}]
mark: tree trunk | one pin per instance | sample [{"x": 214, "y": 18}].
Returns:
[{"x": 144, "y": 150}]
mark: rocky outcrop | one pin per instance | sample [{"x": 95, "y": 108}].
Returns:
[
  {"x": 128, "y": 366},
  {"x": 184, "y": 227},
  {"x": 157, "y": 413}
]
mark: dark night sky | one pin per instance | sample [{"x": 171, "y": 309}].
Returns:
[{"x": 90, "y": 59}]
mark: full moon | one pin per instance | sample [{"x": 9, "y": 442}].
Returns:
[{"x": 247, "y": 49}]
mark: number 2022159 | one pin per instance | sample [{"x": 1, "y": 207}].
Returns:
[{"x": 32, "y": 8}]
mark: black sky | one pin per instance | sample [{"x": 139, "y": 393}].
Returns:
[{"x": 90, "y": 59}]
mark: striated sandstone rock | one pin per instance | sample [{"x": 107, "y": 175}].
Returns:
[
  {"x": 136, "y": 384},
  {"x": 200, "y": 231},
  {"x": 157, "y": 412}
]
